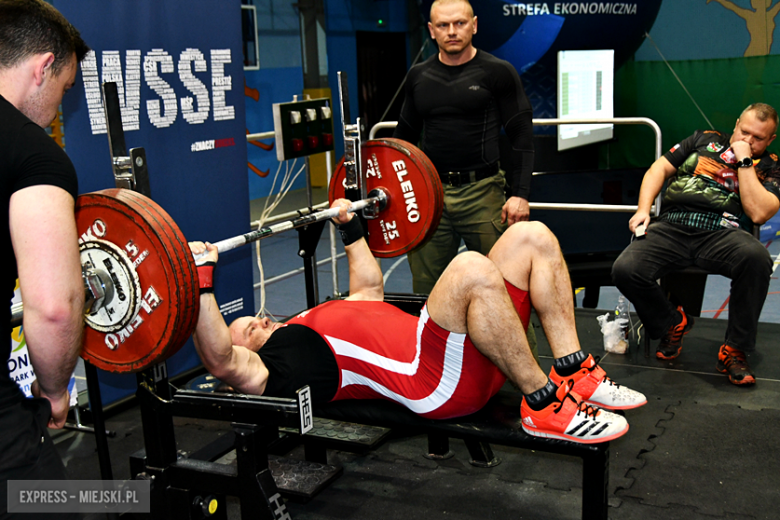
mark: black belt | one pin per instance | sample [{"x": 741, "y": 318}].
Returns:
[{"x": 458, "y": 179}]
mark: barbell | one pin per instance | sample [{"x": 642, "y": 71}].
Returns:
[{"x": 141, "y": 278}]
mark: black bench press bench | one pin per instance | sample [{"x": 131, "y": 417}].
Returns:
[{"x": 497, "y": 424}]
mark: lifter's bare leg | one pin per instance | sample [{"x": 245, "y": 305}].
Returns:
[
  {"x": 470, "y": 297},
  {"x": 529, "y": 257}
]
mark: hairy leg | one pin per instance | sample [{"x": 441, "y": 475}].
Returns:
[
  {"x": 470, "y": 297},
  {"x": 529, "y": 257}
]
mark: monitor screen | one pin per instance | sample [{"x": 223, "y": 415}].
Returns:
[{"x": 585, "y": 88}]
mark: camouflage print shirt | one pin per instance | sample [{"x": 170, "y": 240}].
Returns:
[{"x": 704, "y": 192}]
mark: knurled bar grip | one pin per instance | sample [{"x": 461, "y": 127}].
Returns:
[{"x": 265, "y": 232}]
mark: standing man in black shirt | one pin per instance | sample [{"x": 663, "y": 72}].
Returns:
[
  {"x": 459, "y": 99},
  {"x": 39, "y": 56}
]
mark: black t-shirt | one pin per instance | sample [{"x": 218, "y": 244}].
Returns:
[
  {"x": 461, "y": 109},
  {"x": 296, "y": 356},
  {"x": 28, "y": 157}
]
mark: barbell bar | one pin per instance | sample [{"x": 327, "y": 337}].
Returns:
[{"x": 377, "y": 198}]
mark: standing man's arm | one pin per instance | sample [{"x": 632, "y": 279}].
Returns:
[
  {"x": 521, "y": 137},
  {"x": 517, "y": 119},
  {"x": 410, "y": 122},
  {"x": 652, "y": 183},
  {"x": 45, "y": 242}
]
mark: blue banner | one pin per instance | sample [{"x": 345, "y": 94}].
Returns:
[{"x": 179, "y": 69}]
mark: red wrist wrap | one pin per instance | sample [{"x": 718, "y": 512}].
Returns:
[{"x": 206, "y": 277}]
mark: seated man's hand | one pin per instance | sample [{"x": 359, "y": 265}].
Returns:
[
  {"x": 209, "y": 252},
  {"x": 741, "y": 150},
  {"x": 344, "y": 215},
  {"x": 639, "y": 218}
]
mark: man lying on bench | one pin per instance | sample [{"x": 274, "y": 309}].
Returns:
[{"x": 447, "y": 363}]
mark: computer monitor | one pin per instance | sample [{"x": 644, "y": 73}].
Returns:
[{"x": 585, "y": 90}]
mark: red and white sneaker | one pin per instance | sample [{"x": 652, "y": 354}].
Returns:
[
  {"x": 572, "y": 420},
  {"x": 596, "y": 388}
]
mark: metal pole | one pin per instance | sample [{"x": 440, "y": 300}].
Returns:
[
  {"x": 655, "y": 210},
  {"x": 334, "y": 268},
  {"x": 311, "y": 262}
]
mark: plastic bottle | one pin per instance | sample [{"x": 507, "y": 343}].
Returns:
[{"x": 621, "y": 317}]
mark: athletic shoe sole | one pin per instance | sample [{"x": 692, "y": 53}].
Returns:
[
  {"x": 661, "y": 355},
  {"x": 573, "y": 438},
  {"x": 747, "y": 380}
]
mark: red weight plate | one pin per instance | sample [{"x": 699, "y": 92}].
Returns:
[
  {"x": 131, "y": 337},
  {"x": 432, "y": 181},
  {"x": 185, "y": 272},
  {"x": 434, "y": 175},
  {"x": 188, "y": 294},
  {"x": 415, "y": 200}
]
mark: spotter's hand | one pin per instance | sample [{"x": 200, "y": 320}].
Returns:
[
  {"x": 60, "y": 404},
  {"x": 516, "y": 209},
  {"x": 344, "y": 215},
  {"x": 211, "y": 252}
]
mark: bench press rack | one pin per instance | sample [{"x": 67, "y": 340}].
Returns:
[
  {"x": 498, "y": 423},
  {"x": 186, "y": 487}
]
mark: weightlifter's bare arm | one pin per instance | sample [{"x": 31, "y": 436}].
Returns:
[
  {"x": 365, "y": 276},
  {"x": 235, "y": 365}
]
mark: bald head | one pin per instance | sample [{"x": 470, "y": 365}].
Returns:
[{"x": 438, "y": 3}]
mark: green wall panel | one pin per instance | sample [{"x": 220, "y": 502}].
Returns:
[{"x": 722, "y": 88}]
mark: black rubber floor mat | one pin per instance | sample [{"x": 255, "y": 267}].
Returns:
[{"x": 719, "y": 459}]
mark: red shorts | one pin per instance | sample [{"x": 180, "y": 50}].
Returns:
[{"x": 444, "y": 376}]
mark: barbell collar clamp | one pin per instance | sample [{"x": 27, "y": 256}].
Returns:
[
  {"x": 98, "y": 286},
  {"x": 379, "y": 197}
]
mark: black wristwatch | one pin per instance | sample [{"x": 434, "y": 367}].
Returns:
[{"x": 747, "y": 162}]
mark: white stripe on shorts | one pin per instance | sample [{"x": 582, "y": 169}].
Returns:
[{"x": 453, "y": 363}]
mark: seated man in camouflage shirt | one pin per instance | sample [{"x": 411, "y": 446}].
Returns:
[{"x": 720, "y": 186}]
